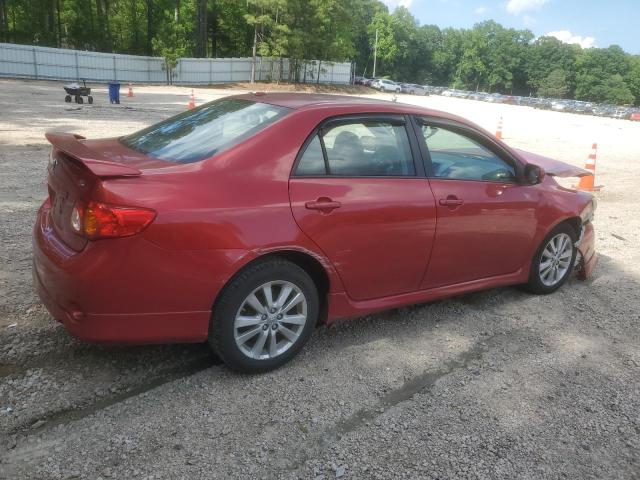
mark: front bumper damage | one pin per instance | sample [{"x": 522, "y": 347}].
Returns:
[{"x": 587, "y": 260}]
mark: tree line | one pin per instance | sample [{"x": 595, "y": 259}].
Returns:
[{"x": 487, "y": 57}]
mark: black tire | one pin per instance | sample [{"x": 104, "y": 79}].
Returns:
[
  {"x": 229, "y": 302},
  {"x": 90, "y": 99},
  {"x": 67, "y": 99},
  {"x": 79, "y": 100},
  {"x": 535, "y": 284}
]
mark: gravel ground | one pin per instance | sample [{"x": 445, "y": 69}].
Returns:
[{"x": 496, "y": 384}]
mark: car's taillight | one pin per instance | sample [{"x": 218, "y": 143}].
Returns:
[{"x": 99, "y": 220}]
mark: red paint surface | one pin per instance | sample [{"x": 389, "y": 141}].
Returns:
[{"x": 389, "y": 243}]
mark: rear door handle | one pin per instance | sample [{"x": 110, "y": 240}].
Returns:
[
  {"x": 451, "y": 201},
  {"x": 323, "y": 204}
]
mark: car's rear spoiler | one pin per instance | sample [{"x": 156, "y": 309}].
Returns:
[{"x": 96, "y": 163}]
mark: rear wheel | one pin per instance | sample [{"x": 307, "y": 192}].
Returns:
[
  {"x": 264, "y": 316},
  {"x": 553, "y": 261},
  {"x": 90, "y": 98},
  {"x": 67, "y": 98}
]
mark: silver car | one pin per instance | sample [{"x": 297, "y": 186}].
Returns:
[
  {"x": 414, "y": 89},
  {"x": 387, "y": 86}
]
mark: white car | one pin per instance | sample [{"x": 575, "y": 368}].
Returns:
[{"x": 387, "y": 86}]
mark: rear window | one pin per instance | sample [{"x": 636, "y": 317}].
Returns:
[{"x": 201, "y": 133}]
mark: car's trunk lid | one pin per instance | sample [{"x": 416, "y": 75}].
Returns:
[{"x": 75, "y": 168}]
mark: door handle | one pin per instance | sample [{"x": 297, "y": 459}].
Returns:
[
  {"x": 451, "y": 201},
  {"x": 323, "y": 204}
]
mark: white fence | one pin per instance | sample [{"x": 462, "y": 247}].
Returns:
[
  {"x": 216, "y": 70},
  {"x": 25, "y": 61},
  {"x": 60, "y": 64}
]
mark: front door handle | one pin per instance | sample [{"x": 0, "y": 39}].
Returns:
[
  {"x": 323, "y": 204},
  {"x": 451, "y": 201}
]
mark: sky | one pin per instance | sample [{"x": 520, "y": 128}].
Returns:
[{"x": 590, "y": 23}]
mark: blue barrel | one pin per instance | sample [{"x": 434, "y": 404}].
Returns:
[{"x": 114, "y": 92}]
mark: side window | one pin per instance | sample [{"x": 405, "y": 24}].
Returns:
[
  {"x": 368, "y": 149},
  {"x": 312, "y": 161},
  {"x": 457, "y": 156},
  {"x": 361, "y": 149}
]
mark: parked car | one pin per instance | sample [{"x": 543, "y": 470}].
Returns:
[
  {"x": 603, "y": 110},
  {"x": 495, "y": 98},
  {"x": 621, "y": 112},
  {"x": 368, "y": 82},
  {"x": 359, "y": 80},
  {"x": 434, "y": 90},
  {"x": 418, "y": 90},
  {"x": 385, "y": 85},
  {"x": 252, "y": 218},
  {"x": 480, "y": 96},
  {"x": 635, "y": 116},
  {"x": 413, "y": 89}
]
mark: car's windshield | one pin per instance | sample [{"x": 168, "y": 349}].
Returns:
[{"x": 201, "y": 133}]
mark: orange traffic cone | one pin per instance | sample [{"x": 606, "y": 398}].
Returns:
[
  {"x": 499, "y": 130},
  {"x": 587, "y": 183},
  {"x": 130, "y": 94},
  {"x": 192, "y": 101}
]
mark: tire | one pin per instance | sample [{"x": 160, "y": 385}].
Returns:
[
  {"x": 241, "y": 334},
  {"x": 67, "y": 99},
  {"x": 79, "y": 100},
  {"x": 545, "y": 280},
  {"x": 90, "y": 99}
]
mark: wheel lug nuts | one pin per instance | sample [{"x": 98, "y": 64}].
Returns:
[
  {"x": 275, "y": 326},
  {"x": 273, "y": 310},
  {"x": 264, "y": 317},
  {"x": 264, "y": 327},
  {"x": 279, "y": 316}
]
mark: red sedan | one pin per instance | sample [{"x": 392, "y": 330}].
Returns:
[{"x": 249, "y": 220}]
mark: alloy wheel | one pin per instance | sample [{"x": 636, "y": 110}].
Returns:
[
  {"x": 270, "y": 320},
  {"x": 555, "y": 260}
]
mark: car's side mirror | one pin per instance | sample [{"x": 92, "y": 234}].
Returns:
[{"x": 533, "y": 174}]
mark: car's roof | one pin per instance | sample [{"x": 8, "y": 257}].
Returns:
[
  {"x": 312, "y": 101},
  {"x": 317, "y": 101}
]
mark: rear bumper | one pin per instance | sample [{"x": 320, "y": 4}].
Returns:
[
  {"x": 587, "y": 249},
  {"x": 139, "y": 328},
  {"x": 126, "y": 290}
]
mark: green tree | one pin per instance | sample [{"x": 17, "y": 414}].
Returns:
[
  {"x": 555, "y": 85},
  {"x": 632, "y": 79},
  {"x": 599, "y": 75}
]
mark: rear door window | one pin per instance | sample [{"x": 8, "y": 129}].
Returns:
[
  {"x": 359, "y": 149},
  {"x": 201, "y": 133}
]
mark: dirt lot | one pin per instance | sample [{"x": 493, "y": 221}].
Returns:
[{"x": 497, "y": 384}]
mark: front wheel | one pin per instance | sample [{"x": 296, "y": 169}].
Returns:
[
  {"x": 264, "y": 316},
  {"x": 552, "y": 264}
]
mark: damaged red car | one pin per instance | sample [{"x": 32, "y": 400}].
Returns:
[{"x": 249, "y": 220}]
